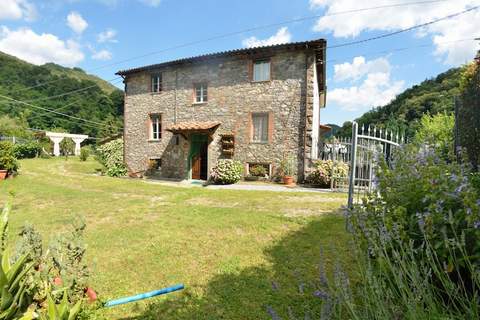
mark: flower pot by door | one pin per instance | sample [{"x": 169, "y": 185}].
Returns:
[
  {"x": 3, "y": 174},
  {"x": 288, "y": 180}
]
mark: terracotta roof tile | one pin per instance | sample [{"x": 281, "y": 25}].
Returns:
[{"x": 193, "y": 126}]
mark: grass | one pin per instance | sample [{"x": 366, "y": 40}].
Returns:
[{"x": 226, "y": 246}]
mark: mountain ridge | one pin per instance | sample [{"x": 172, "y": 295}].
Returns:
[
  {"x": 431, "y": 96},
  {"x": 62, "y": 89}
]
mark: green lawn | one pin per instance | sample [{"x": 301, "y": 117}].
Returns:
[{"x": 226, "y": 246}]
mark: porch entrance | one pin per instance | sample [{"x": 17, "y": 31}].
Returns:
[{"x": 199, "y": 156}]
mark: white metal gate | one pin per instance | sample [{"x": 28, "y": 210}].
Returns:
[{"x": 368, "y": 147}]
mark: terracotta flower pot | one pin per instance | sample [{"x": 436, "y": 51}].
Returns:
[
  {"x": 3, "y": 174},
  {"x": 288, "y": 180}
]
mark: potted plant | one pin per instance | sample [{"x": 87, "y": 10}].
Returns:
[
  {"x": 287, "y": 167},
  {"x": 8, "y": 162}
]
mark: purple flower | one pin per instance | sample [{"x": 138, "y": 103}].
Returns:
[
  {"x": 469, "y": 211},
  {"x": 461, "y": 187},
  {"x": 476, "y": 224},
  {"x": 321, "y": 294},
  {"x": 421, "y": 220},
  {"x": 272, "y": 313}
]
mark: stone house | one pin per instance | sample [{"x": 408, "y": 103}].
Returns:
[{"x": 256, "y": 105}]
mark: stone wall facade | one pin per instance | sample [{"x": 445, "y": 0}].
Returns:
[{"x": 232, "y": 98}]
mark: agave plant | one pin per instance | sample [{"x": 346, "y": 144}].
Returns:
[
  {"x": 62, "y": 311},
  {"x": 12, "y": 284},
  {"x": 12, "y": 276}
]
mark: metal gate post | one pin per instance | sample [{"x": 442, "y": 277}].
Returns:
[{"x": 353, "y": 162}]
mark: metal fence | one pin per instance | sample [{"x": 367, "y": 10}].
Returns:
[
  {"x": 362, "y": 152},
  {"x": 14, "y": 140}
]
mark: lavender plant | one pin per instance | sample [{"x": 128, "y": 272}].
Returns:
[{"x": 418, "y": 242}]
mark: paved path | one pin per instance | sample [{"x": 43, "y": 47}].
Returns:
[
  {"x": 238, "y": 186},
  {"x": 266, "y": 187}
]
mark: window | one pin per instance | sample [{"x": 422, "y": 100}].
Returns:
[
  {"x": 155, "y": 163},
  {"x": 260, "y": 127},
  {"x": 156, "y": 121},
  {"x": 157, "y": 83},
  {"x": 259, "y": 169},
  {"x": 201, "y": 94},
  {"x": 261, "y": 70}
]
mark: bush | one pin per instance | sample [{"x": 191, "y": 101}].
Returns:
[
  {"x": 437, "y": 132},
  {"x": 110, "y": 155},
  {"x": 419, "y": 241},
  {"x": 322, "y": 173},
  {"x": 84, "y": 153},
  {"x": 67, "y": 147},
  {"x": 226, "y": 171},
  {"x": 7, "y": 157},
  {"x": 468, "y": 113},
  {"x": 27, "y": 150}
]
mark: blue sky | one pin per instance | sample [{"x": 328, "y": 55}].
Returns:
[{"x": 98, "y": 34}]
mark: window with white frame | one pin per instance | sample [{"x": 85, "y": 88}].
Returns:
[
  {"x": 157, "y": 82},
  {"x": 261, "y": 70},
  {"x": 156, "y": 126},
  {"x": 260, "y": 127},
  {"x": 201, "y": 93}
]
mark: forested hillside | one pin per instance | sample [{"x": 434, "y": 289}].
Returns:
[
  {"x": 404, "y": 112},
  {"x": 101, "y": 102}
]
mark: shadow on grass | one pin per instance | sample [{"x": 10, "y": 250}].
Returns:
[{"x": 293, "y": 267}]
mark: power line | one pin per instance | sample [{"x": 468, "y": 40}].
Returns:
[
  {"x": 14, "y": 101},
  {"x": 52, "y": 111},
  {"x": 226, "y": 35},
  {"x": 267, "y": 26},
  {"x": 385, "y": 35},
  {"x": 399, "y": 49},
  {"x": 327, "y": 47}
]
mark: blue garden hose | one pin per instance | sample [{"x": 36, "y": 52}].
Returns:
[{"x": 142, "y": 296}]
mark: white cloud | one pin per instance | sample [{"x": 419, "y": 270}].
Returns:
[
  {"x": 76, "y": 22},
  {"x": 39, "y": 48},
  {"x": 282, "y": 36},
  {"x": 359, "y": 67},
  {"x": 151, "y": 3},
  {"x": 107, "y": 36},
  {"x": 395, "y": 18},
  {"x": 17, "y": 9},
  {"x": 373, "y": 85},
  {"x": 102, "y": 55}
]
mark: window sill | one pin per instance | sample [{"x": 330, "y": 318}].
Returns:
[
  {"x": 199, "y": 103},
  {"x": 261, "y": 81},
  {"x": 259, "y": 142},
  {"x": 154, "y": 140}
]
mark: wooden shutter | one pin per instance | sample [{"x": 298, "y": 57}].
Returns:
[
  {"x": 162, "y": 126},
  {"x": 271, "y": 123},
  {"x": 250, "y": 70},
  {"x": 149, "y": 127},
  {"x": 249, "y": 133},
  {"x": 270, "y": 76}
]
